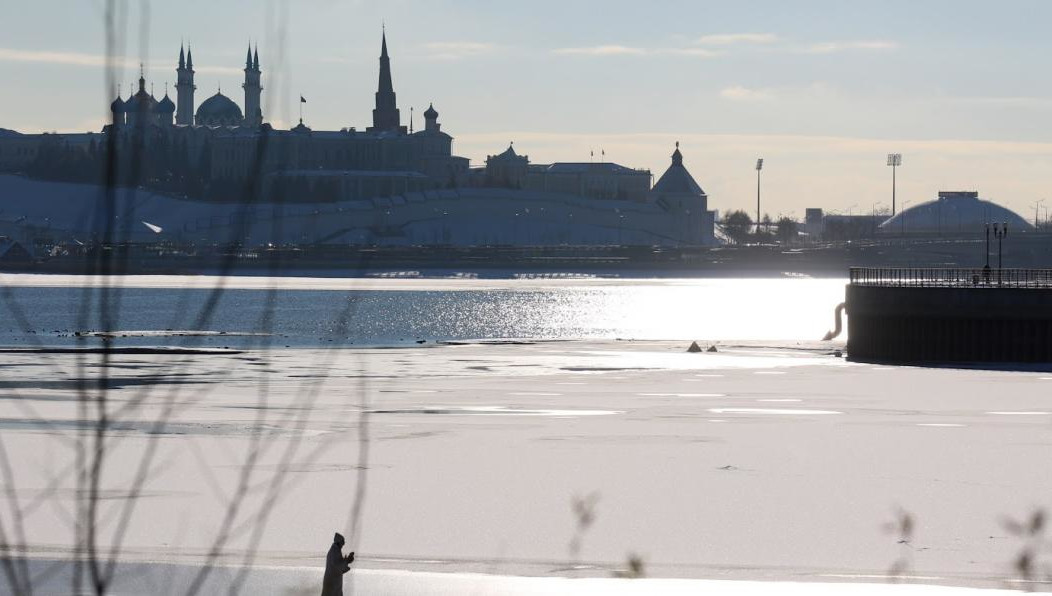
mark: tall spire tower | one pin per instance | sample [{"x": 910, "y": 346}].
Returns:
[
  {"x": 253, "y": 113},
  {"x": 385, "y": 116},
  {"x": 184, "y": 89}
]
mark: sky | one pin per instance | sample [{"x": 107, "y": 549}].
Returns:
[{"x": 823, "y": 90}]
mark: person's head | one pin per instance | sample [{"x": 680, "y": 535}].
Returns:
[{"x": 338, "y": 539}]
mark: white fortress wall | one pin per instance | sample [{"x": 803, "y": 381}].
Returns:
[{"x": 459, "y": 217}]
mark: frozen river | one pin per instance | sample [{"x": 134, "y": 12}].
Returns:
[{"x": 771, "y": 460}]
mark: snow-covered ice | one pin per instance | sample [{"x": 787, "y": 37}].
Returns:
[{"x": 476, "y": 451}]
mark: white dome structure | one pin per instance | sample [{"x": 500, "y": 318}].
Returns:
[{"x": 954, "y": 212}]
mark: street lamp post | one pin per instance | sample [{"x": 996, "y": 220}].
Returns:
[
  {"x": 894, "y": 160},
  {"x": 987, "y": 266},
  {"x": 759, "y": 166},
  {"x": 1037, "y": 206},
  {"x": 1000, "y": 234}
]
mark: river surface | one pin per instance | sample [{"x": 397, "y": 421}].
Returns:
[{"x": 42, "y": 310}]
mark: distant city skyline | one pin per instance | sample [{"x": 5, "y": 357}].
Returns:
[{"x": 821, "y": 90}]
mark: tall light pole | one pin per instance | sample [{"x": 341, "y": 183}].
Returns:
[
  {"x": 894, "y": 160},
  {"x": 1037, "y": 205},
  {"x": 1000, "y": 234},
  {"x": 759, "y": 166},
  {"x": 987, "y": 266}
]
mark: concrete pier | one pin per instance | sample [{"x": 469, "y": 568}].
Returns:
[{"x": 950, "y": 315}]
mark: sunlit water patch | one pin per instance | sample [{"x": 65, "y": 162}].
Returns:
[{"x": 307, "y": 312}]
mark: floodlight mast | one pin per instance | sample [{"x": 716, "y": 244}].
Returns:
[
  {"x": 894, "y": 160},
  {"x": 759, "y": 166}
]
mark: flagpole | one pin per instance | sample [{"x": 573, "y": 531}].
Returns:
[{"x": 301, "y": 109}]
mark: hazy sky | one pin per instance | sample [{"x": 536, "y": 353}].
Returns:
[{"x": 823, "y": 90}]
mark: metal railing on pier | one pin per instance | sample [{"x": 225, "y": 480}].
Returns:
[{"x": 936, "y": 277}]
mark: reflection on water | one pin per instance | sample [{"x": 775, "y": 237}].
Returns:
[{"x": 434, "y": 310}]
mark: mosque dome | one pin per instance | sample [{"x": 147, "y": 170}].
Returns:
[
  {"x": 219, "y": 110},
  {"x": 166, "y": 105},
  {"x": 953, "y": 212}
]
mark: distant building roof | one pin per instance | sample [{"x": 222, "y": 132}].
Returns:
[
  {"x": 13, "y": 252},
  {"x": 951, "y": 212},
  {"x": 431, "y": 133},
  {"x": 584, "y": 167},
  {"x": 351, "y": 173},
  {"x": 676, "y": 179},
  {"x": 508, "y": 154}
]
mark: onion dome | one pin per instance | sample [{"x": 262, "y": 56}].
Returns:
[
  {"x": 219, "y": 110},
  {"x": 117, "y": 106},
  {"x": 141, "y": 102},
  {"x": 166, "y": 105},
  {"x": 431, "y": 114}
]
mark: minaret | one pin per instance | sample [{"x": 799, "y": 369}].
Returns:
[
  {"x": 184, "y": 89},
  {"x": 385, "y": 116},
  {"x": 253, "y": 113}
]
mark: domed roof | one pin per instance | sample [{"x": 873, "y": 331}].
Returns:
[
  {"x": 166, "y": 104},
  {"x": 219, "y": 110},
  {"x": 953, "y": 212},
  {"x": 117, "y": 105},
  {"x": 141, "y": 101},
  {"x": 431, "y": 113}
]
